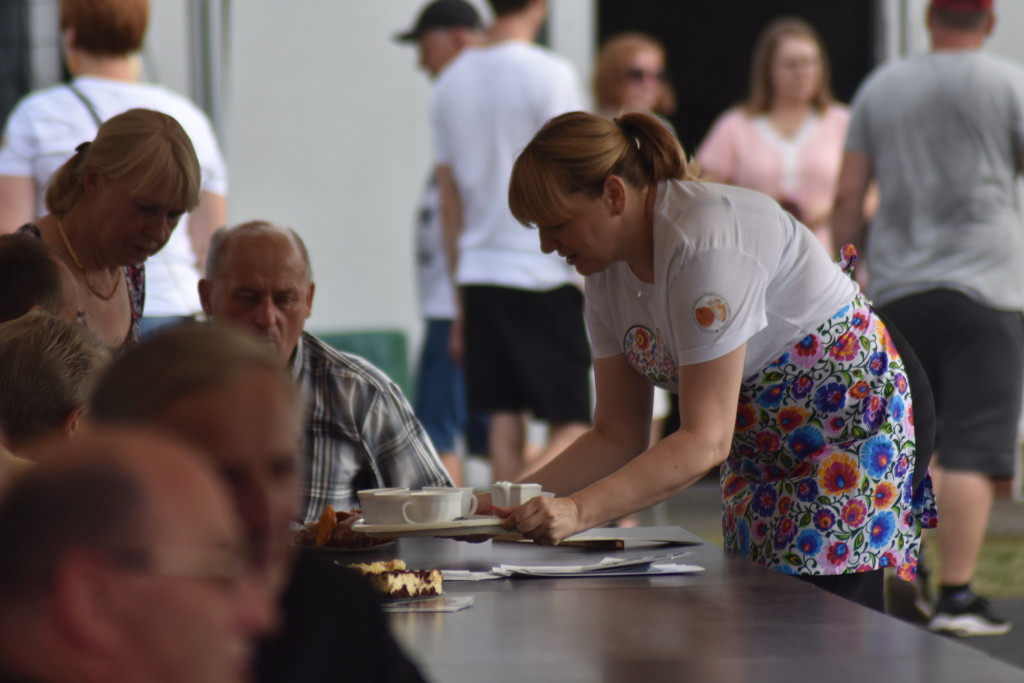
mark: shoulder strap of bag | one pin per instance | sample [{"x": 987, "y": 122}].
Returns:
[{"x": 88, "y": 104}]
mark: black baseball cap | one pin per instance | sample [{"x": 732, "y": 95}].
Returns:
[{"x": 443, "y": 14}]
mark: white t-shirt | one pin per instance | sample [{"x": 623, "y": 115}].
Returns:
[
  {"x": 730, "y": 266},
  {"x": 437, "y": 295},
  {"x": 487, "y": 105},
  {"x": 46, "y": 126}
]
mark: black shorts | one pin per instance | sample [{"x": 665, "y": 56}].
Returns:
[
  {"x": 974, "y": 358},
  {"x": 527, "y": 351},
  {"x": 864, "y": 588}
]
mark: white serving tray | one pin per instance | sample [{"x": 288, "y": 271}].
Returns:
[{"x": 484, "y": 525}]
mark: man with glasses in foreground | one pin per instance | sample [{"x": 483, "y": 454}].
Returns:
[
  {"x": 122, "y": 562},
  {"x": 226, "y": 392}
]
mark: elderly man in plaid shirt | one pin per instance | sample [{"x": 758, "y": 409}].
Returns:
[{"x": 360, "y": 431}]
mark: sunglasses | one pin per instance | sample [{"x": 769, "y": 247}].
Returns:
[{"x": 640, "y": 75}]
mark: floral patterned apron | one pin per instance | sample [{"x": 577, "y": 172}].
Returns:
[{"x": 819, "y": 477}]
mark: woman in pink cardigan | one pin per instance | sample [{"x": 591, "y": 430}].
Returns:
[{"x": 786, "y": 140}]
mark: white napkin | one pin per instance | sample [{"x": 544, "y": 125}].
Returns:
[{"x": 609, "y": 566}]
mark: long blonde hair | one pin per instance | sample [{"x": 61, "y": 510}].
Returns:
[
  {"x": 576, "y": 152},
  {"x": 147, "y": 150}
]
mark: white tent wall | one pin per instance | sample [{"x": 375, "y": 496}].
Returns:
[{"x": 327, "y": 131}]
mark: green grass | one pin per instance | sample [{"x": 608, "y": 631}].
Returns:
[{"x": 999, "y": 572}]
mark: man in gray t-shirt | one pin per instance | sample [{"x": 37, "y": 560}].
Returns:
[{"x": 942, "y": 135}]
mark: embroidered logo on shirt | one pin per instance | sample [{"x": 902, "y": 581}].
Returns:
[{"x": 711, "y": 312}]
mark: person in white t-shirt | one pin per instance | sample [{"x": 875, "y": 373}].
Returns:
[
  {"x": 789, "y": 380},
  {"x": 520, "y": 312},
  {"x": 101, "y": 39},
  {"x": 443, "y": 29}
]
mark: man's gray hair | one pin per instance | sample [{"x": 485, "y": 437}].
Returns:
[
  {"x": 48, "y": 367},
  {"x": 221, "y": 241}
]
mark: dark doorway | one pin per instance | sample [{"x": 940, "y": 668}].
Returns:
[
  {"x": 14, "y": 68},
  {"x": 709, "y": 45}
]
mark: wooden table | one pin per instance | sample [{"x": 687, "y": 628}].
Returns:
[{"x": 735, "y": 622}]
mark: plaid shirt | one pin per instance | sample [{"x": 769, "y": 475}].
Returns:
[{"x": 361, "y": 432}]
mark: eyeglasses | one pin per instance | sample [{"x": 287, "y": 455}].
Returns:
[
  {"x": 641, "y": 75},
  {"x": 228, "y": 565}
]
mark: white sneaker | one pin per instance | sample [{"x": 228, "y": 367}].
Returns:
[{"x": 967, "y": 616}]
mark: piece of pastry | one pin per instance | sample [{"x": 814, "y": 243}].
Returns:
[
  {"x": 395, "y": 581},
  {"x": 334, "y": 530}
]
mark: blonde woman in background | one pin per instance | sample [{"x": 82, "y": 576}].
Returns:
[
  {"x": 786, "y": 139},
  {"x": 111, "y": 206},
  {"x": 102, "y": 41}
]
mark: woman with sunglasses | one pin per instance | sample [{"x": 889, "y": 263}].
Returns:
[
  {"x": 630, "y": 76},
  {"x": 784, "y": 373},
  {"x": 786, "y": 139}
]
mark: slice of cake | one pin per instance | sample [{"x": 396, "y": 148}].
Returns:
[{"x": 395, "y": 581}]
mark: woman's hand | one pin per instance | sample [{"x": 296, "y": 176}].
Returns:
[
  {"x": 545, "y": 520},
  {"x": 484, "y": 506}
]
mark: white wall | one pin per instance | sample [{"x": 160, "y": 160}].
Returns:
[
  {"x": 1006, "y": 40},
  {"x": 328, "y": 132},
  {"x": 911, "y": 33}
]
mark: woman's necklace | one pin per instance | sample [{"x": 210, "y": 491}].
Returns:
[
  {"x": 640, "y": 292},
  {"x": 74, "y": 257}
]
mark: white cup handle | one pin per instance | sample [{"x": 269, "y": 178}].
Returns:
[
  {"x": 472, "y": 505},
  {"x": 405, "y": 506}
]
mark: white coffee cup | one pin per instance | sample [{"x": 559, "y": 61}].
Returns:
[
  {"x": 429, "y": 507},
  {"x": 507, "y": 495},
  {"x": 389, "y": 506},
  {"x": 370, "y": 505},
  {"x": 468, "y": 499}
]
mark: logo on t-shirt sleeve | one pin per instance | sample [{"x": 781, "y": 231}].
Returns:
[{"x": 711, "y": 312}]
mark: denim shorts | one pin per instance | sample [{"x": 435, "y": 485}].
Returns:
[{"x": 441, "y": 395}]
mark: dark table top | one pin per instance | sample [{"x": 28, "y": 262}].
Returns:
[{"x": 734, "y": 622}]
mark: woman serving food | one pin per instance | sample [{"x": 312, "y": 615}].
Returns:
[{"x": 790, "y": 380}]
